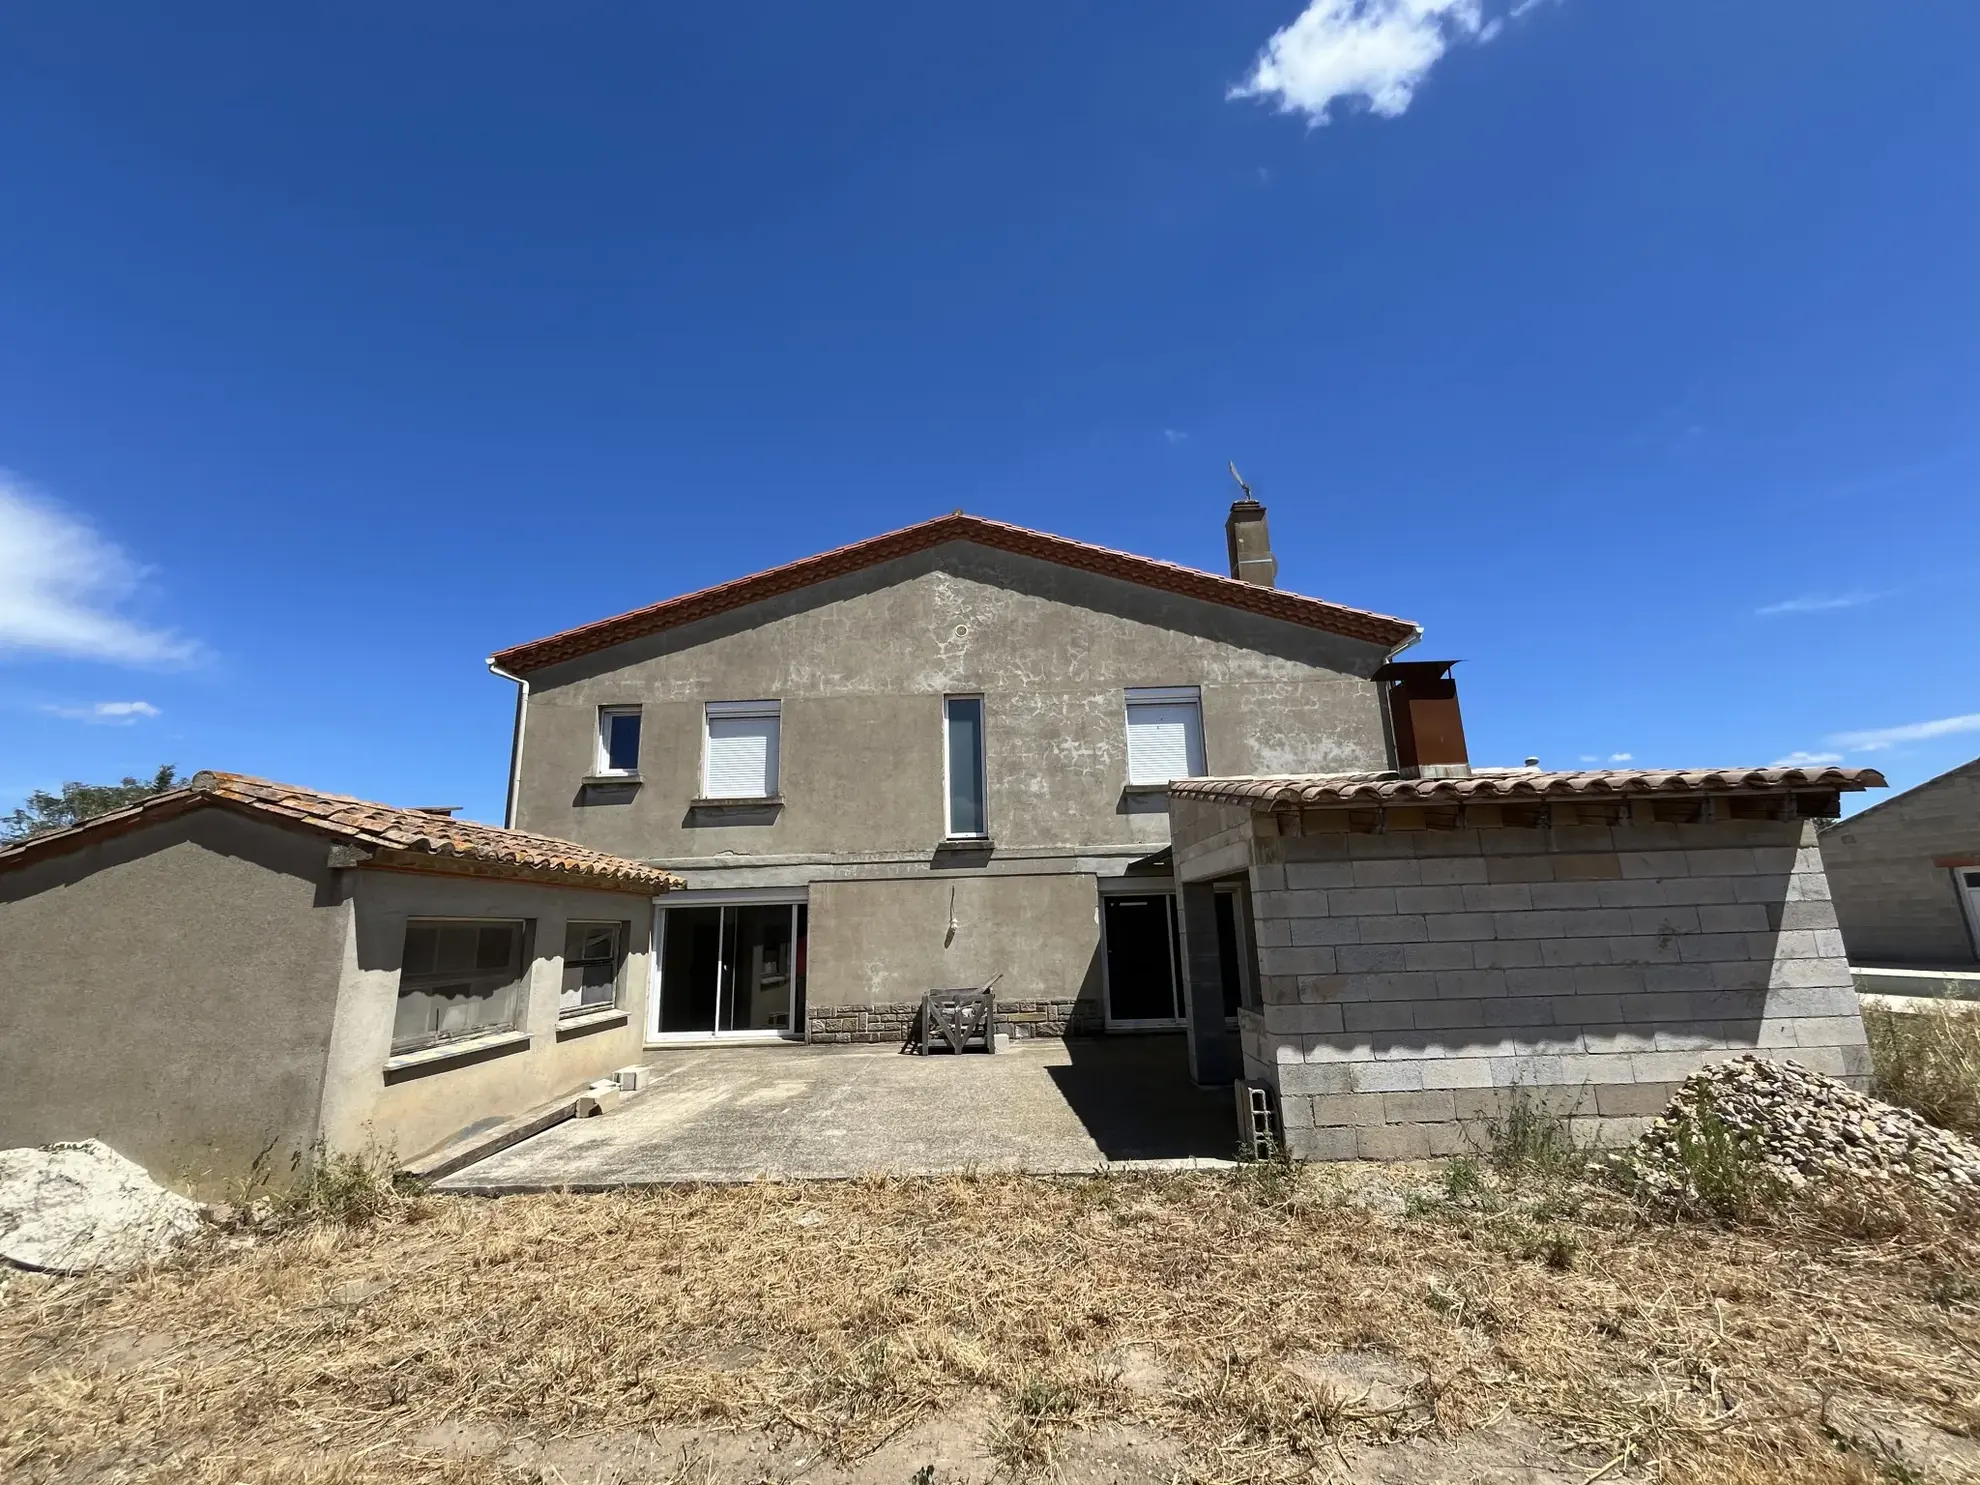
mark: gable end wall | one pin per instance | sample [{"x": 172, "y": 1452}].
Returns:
[{"x": 170, "y": 991}]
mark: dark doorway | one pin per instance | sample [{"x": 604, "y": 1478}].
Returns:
[
  {"x": 1140, "y": 933},
  {"x": 1230, "y": 952}
]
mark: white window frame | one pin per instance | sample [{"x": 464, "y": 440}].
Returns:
[
  {"x": 1969, "y": 898},
  {"x": 1191, "y": 696},
  {"x": 602, "y": 763},
  {"x": 949, "y": 832},
  {"x": 773, "y": 761},
  {"x": 621, "y": 934},
  {"x": 657, "y": 959},
  {"x": 519, "y": 987},
  {"x": 1163, "y": 887}
]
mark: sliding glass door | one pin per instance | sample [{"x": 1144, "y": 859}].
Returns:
[{"x": 731, "y": 970}]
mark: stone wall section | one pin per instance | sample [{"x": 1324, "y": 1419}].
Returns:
[
  {"x": 1021, "y": 1019},
  {"x": 1411, "y": 981}
]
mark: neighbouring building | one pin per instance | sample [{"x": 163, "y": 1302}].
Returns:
[
  {"x": 1906, "y": 874},
  {"x": 935, "y": 758},
  {"x": 1421, "y": 948},
  {"x": 218, "y": 978}
]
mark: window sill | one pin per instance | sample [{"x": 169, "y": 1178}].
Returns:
[
  {"x": 447, "y": 1053},
  {"x": 592, "y": 1020},
  {"x": 592, "y": 779},
  {"x": 762, "y": 802},
  {"x": 966, "y": 843},
  {"x": 1161, "y": 788}
]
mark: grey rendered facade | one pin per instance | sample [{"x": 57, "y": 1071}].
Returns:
[
  {"x": 212, "y": 993},
  {"x": 860, "y": 665},
  {"x": 1413, "y": 972},
  {"x": 1906, "y": 874}
]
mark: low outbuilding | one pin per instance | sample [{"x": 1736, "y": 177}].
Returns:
[
  {"x": 227, "y": 976},
  {"x": 1423, "y": 951}
]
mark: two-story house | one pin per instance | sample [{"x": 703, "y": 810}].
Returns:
[{"x": 931, "y": 759}]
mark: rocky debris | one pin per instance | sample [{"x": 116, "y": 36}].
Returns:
[
  {"x": 72, "y": 1208},
  {"x": 1805, "y": 1128}
]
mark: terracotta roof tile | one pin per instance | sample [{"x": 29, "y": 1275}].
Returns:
[
  {"x": 1514, "y": 784},
  {"x": 1276, "y": 603},
  {"x": 382, "y": 827}
]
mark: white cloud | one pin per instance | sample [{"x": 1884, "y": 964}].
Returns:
[
  {"x": 1817, "y": 603},
  {"x": 60, "y": 584},
  {"x": 1799, "y": 759},
  {"x": 1622, "y": 757},
  {"x": 1175, "y": 435},
  {"x": 1375, "y": 50},
  {"x": 1878, "y": 738},
  {"x": 1590, "y": 758},
  {"x": 120, "y": 713}
]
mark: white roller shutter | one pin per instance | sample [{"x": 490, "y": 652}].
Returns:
[
  {"x": 742, "y": 750},
  {"x": 1164, "y": 736}
]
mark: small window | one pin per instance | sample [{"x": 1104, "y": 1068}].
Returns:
[
  {"x": 741, "y": 754},
  {"x": 618, "y": 739},
  {"x": 1164, "y": 734},
  {"x": 962, "y": 721},
  {"x": 458, "y": 978},
  {"x": 593, "y": 953}
]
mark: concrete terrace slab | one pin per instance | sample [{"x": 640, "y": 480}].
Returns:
[{"x": 806, "y": 1112}]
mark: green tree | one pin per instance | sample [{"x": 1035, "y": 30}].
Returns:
[{"x": 78, "y": 802}]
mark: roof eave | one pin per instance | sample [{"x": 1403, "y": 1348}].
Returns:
[
  {"x": 449, "y": 863},
  {"x": 1366, "y": 626},
  {"x": 1267, "y": 794},
  {"x": 102, "y": 827}
]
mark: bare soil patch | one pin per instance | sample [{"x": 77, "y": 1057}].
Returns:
[{"x": 1269, "y": 1324}]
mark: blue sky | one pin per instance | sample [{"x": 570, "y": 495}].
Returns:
[{"x": 1631, "y": 346}]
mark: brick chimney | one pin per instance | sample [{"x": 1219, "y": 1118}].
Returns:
[{"x": 1250, "y": 543}]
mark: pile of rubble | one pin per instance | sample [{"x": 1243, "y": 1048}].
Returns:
[
  {"x": 1803, "y": 1128},
  {"x": 70, "y": 1208}
]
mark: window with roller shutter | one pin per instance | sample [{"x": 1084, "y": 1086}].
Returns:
[
  {"x": 1164, "y": 734},
  {"x": 740, "y": 754}
]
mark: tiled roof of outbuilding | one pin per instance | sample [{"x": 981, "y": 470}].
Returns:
[
  {"x": 1190, "y": 582},
  {"x": 1512, "y": 785},
  {"x": 401, "y": 836}
]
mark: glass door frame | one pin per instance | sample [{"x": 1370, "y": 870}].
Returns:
[
  {"x": 794, "y": 897},
  {"x": 1143, "y": 887}
]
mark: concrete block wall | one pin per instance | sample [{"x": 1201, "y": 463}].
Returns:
[
  {"x": 1410, "y": 981},
  {"x": 1897, "y": 907}
]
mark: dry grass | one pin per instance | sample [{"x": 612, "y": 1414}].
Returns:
[
  {"x": 1928, "y": 1061},
  {"x": 1190, "y": 1308}
]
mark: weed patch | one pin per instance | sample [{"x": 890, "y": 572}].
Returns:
[
  {"x": 842, "y": 1315},
  {"x": 354, "y": 1188},
  {"x": 1529, "y": 1139},
  {"x": 1929, "y": 1062}
]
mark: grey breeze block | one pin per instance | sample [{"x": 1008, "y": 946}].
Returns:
[{"x": 1412, "y": 983}]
